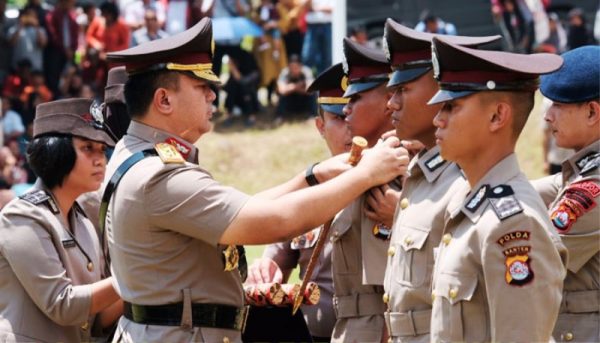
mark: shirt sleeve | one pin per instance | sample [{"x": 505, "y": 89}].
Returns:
[
  {"x": 190, "y": 201},
  {"x": 523, "y": 274},
  {"x": 282, "y": 254},
  {"x": 29, "y": 249},
  {"x": 548, "y": 187}
]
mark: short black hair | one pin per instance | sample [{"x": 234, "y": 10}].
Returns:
[
  {"x": 52, "y": 157},
  {"x": 139, "y": 89}
]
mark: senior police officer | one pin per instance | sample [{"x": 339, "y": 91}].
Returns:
[
  {"x": 359, "y": 242},
  {"x": 171, "y": 228},
  {"x": 574, "y": 118},
  {"x": 419, "y": 220},
  {"x": 280, "y": 259},
  {"x": 498, "y": 271}
]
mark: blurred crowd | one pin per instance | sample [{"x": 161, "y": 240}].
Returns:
[{"x": 58, "y": 50}]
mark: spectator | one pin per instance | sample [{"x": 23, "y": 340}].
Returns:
[
  {"x": 556, "y": 43},
  {"x": 63, "y": 35},
  {"x": 34, "y": 94},
  {"x": 268, "y": 18},
  {"x": 116, "y": 32},
  {"x": 516, "y": 22},
  {"x": 28, "y": 39},
  {"x": 316, "y": 50},
  {"x": 292, "y": 83},
  {"x": 94, "y": 32},
  {"x": 10, "y": 172},
  {"x": 5, "y": 46},
  {"x": 242, "y": 87},
  {"x": 12, "y": 124},
  {"x": 359, "y": 35},
  {"x": 135, "y": 13},
  {"x": 18, "y": 80},
  {"x": 290, "y": 14},
  {"x": 433, "y": 24},
  {"x": 578, "y": 33},
  {"x": 150, "y": 31},
  {"x": 71, "y": 83}
]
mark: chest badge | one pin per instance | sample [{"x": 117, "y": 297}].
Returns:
[{"x": 381, "y": 231}]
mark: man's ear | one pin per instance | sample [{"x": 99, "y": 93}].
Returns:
[
  {"x": 162, "y": 101},
  {"x": 593, "y": 117},
  {"x": 501, "y": 116},
  {"x": 320, "y": 124}
]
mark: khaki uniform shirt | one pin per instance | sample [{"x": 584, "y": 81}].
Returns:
[
  {"x": 417, "y": 230},
  {"x": 163, "y": 225},
  {"x": 498, "y": 273},
  {"x": 576, "y": 217},
  {"x": 320, "y": 318},
  {"x": 358, "y": 261},
  {"x": 46, "y": 271}
]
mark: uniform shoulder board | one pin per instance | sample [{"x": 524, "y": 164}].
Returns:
[
  {"x": 503, "y": 201},
  {"x": 589, "y": 163},
  {"x": 435, "y": 162},
  {"x": 168, "y": 153},
  {"x": 40, "y": 196}
]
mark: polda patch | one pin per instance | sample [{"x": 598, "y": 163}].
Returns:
[
  {"x": 513, "y": 236},
  {"x": 518, "y": 268}
]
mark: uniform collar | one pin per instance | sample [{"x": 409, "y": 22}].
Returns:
[
  {"x": 153, "y": 135},
  {"x": 474, "y": 202},
  {"x": 432, "y": 164},
  {"x": 574, "y": 164}
]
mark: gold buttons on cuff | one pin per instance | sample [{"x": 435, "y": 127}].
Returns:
[
  {"x": 408, "y": 240},
  {"x": 90, "y": 266},
  {"x": 391, "y": 251},
  {"x": 568, "y": 336},
  {"x": 386, "y": 298},
  {"x": 84, "y": 326},
  {"x": 404, "y": 203},
  {"x": 453, "y": 293},
  {"x": 447, "y": 238}
]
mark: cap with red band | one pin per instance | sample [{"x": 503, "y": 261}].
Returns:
[
  {"x": 366, "y": 68},
  {"x": 331, "y": 85}
]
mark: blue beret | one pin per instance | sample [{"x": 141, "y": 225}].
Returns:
[{"x": 579, "y": 78}]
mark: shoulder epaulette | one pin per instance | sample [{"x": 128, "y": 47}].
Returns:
[
  {"x": 40, "y": 196},
  {"x": 590, "y": 163},
  {"x": 503, "y": 200},
  {"x": 168, "y": 153}
]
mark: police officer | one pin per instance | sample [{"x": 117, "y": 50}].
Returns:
[
  {"x": 419, "y": 220},
  {"x": 359, "y": 242},
  {"x": 574, "y": 118},
  {"x": 280, "y": 259},
  {"x": 51, "y": 282},
  {"x": 498, "y": 271},
  {"x": 172, "y": 229}
]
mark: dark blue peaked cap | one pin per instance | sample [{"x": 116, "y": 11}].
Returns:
[{"x": 578, "y": 80}]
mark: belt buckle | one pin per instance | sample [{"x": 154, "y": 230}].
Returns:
[{"x": 244, "y": 317}]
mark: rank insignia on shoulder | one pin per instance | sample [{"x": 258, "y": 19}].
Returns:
[
  {"x": 576, "y": 200},
  {"x": 231, "y": 258},
  {"x": 504, "y": 202},
  {"x": 41, "y": 196},
  {"x": 518, "y": 266},
  {"x": 181, "y": 147},
  {"x": 381, "y": 231},
  {"x": 435, "y": 162},
  {"x": 168, "y": 153},
  {"x": 588, "y": 162},
  {"x": 477, "y": 199}
]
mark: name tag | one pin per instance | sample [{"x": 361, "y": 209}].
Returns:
[{"x": 68, "y": 243}]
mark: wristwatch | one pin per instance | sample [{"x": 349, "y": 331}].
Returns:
[{"x": 310, "y": 177}]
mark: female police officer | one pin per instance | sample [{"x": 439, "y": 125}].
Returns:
[{"x": 51, "y": 287}]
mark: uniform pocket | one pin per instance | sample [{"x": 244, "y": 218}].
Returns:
[{"x": 413, "y": 260}]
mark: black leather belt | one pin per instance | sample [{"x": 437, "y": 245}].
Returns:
[{"x": 203, "y": 315}]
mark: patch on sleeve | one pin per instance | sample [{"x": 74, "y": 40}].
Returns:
[
  {"x": 504, "y": 202},
  {"x": 306, "y": 240},
  {"x": 513, "y": 236},
  {"x": 576, "y": 200},
  {"x": 40, "y": 196},
  {"x": 168, "y": 153},
  {"x": 518, "y": 266},
  {"x": 588, "y": 162},
  {"x": 477, "y": 199}
]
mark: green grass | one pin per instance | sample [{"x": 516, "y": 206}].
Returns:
[{"x": 256, "y": 159}]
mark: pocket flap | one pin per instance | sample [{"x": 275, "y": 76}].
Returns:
[
  {"x": 455, "y": 287},
  {"x": 413, "y": 238},
  {"x": 341, "y": 224}
]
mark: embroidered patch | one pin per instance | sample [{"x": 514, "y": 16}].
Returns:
[
  {"x": 68, "y": 243},
  {"x": 513, "y": 236},
  {"x": 503, "y": 201},
  {"x": 562, "y": 218},
  {"x": 576, "y": 200},
  {"x": 519, "y": 250},
  {"x": 518, "y": 270},
  {"x": 435, "y": 162},
  {"x": 477, "y": 199},
  {"x": 306, "y": 240},
  {"x": 180, "y": 146},
  {"x": 168, "y": 153},
  {"x": 231, "y": 258},
  {"x": 588, "y": 162},
  {"x": 381, "y": 231},
  {"x": 589, "y": 186}
]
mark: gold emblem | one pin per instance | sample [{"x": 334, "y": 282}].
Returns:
[
  {"x": 168, "y": 153},
  {"x": 232, "y": 258},
  {"x": 212, "y": 46},
  {"x": 344, "y": 83}
]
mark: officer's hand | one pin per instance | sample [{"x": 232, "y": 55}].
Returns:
[
  {"x": 413, "y": 147},
  {"x": 264, "y": 270},
  {"x": 385, "y": 161},
  {"x": 381, "y": 204},
  {"x": 332, "y": 167}
]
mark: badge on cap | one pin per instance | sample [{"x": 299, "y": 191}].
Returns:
[
  {"x": 97, "y": 111},
  {"x": 344, "y": 83},
  {"x": 435, "y": 63},
  {"x": 385, "y": 47},
  {"x": 345, "y": 65}
]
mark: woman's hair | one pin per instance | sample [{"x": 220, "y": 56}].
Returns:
[{"x": 52, "y": 157}]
